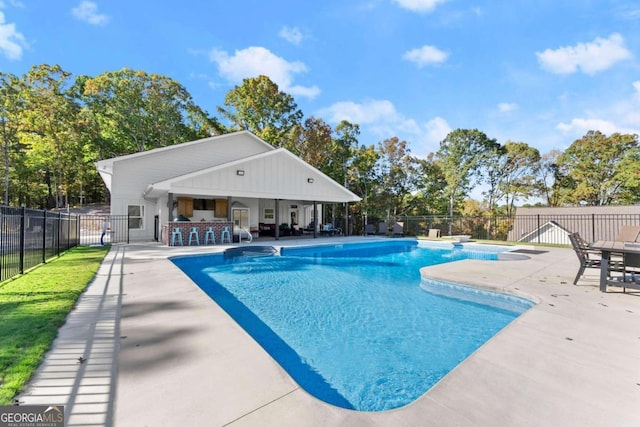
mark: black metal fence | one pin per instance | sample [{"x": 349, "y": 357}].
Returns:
[
  {"x": 116, "y": 228},
  {"x": 478, "y": 227},
  {"x": 549, "y": 229},
  {"x": 29, "y": 237}
]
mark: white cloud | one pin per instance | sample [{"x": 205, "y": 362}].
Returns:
[
  {"x": 382, "y": 120},
  {"x": 11, "y": 41},
  {"x": 590, "y": 58},
  {"x": 370, "y": 111},
  {"x": 14, "y": 3},
  {"x": 292, "y": 35},
  {"x": 419, "y": 5},
  {"x": 506, "y": 107},
  {"x": 426, "y": 55},
  {"x": 580, "y": 126},
  {"x": 437, "y": 130},
  {"x": 254, "y": 61},
  {"x": 87, "y": 11},
  {"x": 636, "y": 86}
]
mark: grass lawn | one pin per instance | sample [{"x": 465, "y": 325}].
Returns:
[{"x": 33, "y": 307}]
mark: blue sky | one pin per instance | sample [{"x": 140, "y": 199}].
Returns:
[{"x": 542, "y": 72}]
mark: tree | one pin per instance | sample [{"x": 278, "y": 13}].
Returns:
[
  {"x": 48, "y": 123},
  {"x": 312, "y": 142},
  {"x": 362, "y": 178},
  {"x": 460, "y": 155},
  {"x": 11, "y": 106},
  {"x": 511, "y": 172},
  {"x": 520, "y": 171},
  {"x": 602, "y": 170},
  {"x": 258, "y": 105},
  {"x": 494, "y": 174},
  {"x": 430, "y": 199},
  {"x": 397, "y": 174},
  {"x": 550, "y": 178},
  {"x": 345, "y": 147},
  {"x": 136, "y": 111}
]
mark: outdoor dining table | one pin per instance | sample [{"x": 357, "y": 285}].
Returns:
[{"x": 606, "y": 248}]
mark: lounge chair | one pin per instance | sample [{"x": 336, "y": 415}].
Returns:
[
  {"x": 398, "y": 229},
  {"x": 369, "y": 229},
  {"x": 330, "y": 230},
  {"x": 383, "y": 228},
  {"x": 434, "y": 233}
]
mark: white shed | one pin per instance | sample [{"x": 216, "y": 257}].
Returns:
[
  {"x": 235, "y": 179},
  {"x": 550, "y": 232}
]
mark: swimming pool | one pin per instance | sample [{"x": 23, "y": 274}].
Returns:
[{"x": 354, "y": 324}]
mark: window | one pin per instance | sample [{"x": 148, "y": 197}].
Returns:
[
  {"x": 136, "y": 216},
  {"x": 268, "y": 214},
  {"x": 204, "y": 204}
]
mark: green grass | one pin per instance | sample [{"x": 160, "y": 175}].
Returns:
[{"x": 33, "y": 307}]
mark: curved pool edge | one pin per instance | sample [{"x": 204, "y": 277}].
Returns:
[{"x": 507, "y": 381}]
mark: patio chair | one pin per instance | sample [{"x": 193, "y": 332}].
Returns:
[
  {"x": 590, "y": 258},
  {"x": 628, "y": 275},
  {"x": 628, "y": 233}
]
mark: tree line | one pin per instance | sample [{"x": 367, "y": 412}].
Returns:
[{"x": 54, "y": 127}]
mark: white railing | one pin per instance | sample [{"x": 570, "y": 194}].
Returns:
[{"x": 249, "y": 236}]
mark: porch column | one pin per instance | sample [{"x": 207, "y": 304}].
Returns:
[
  {"x": 315, "y": 219},
  {"x": 276, "y": 233},
  {"x": 170, "y": 207},
  {"x": 346, "y": 219}
]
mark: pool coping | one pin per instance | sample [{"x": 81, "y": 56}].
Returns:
[{"x": 160, "y": 352}]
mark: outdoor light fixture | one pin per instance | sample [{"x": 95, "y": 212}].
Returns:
[
  {"x": 240, "y": 172},
  {"x": 310, "y": 180}
]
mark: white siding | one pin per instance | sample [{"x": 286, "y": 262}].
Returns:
[
  {"x": 132, "y": 174},
  {"x": 208, "y": 168},
  {"x": 277, "y": 175}
]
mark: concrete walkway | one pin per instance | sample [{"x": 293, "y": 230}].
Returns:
[{"x": 158, "y": 352}]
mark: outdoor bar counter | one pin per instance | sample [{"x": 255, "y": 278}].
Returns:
[{"x": 201, "y": 226}]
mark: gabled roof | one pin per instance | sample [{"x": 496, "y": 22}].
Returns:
[
  {"x": 183, "y": 158},
  {"x": 543, "y": 229},
  {"x": 277, "y": 174},
  {"x": 210, "y": 167},
  {"x": 182, "y": 146}
]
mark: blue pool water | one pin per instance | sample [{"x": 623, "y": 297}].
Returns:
[{"x": 354, "y": 324}]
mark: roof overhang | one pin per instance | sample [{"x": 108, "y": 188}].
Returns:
[{"x": 276, "y": 174}]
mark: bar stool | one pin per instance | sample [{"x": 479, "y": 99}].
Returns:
[
  {"x": 176, "y": 234},
  {"x": 209, "y": 236},
  {"x": 194, "y": 234},
  {"x": 225, "y": 234}
]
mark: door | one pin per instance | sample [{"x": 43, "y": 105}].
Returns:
[{"x": 240, "y": 220}]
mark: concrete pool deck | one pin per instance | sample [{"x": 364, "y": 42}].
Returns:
[{"x": 156, "y": 351}]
